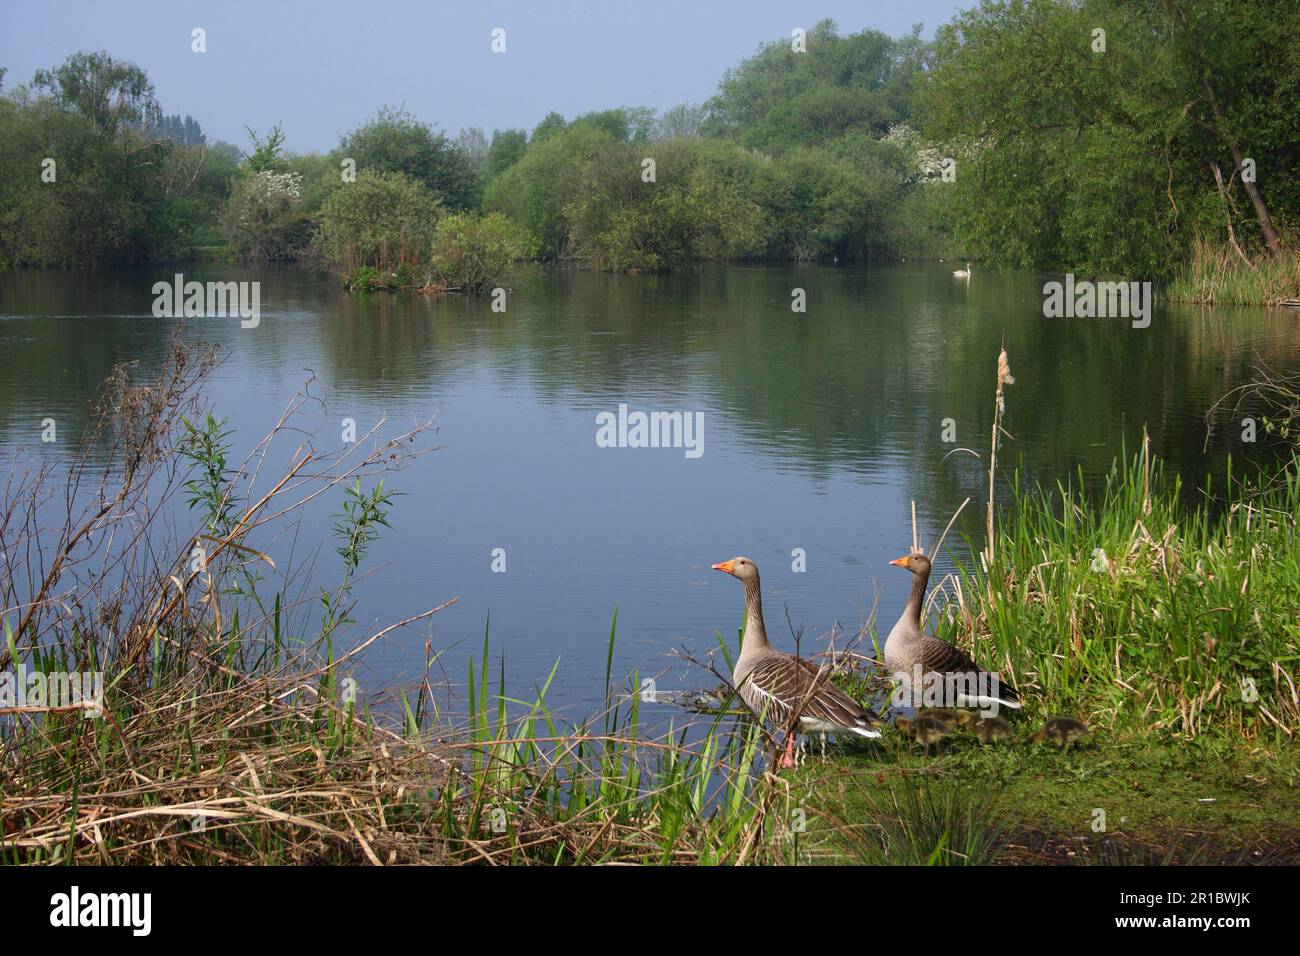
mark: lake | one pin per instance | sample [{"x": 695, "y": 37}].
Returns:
[{"x": 818, "y": 430}]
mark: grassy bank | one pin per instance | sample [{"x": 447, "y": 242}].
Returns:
[
  {"x": 1215, "y": 274},
  {"x": 1121, "y": 799},
  {"x": 1129, "y": 606},
  {"x": 1172, "y": 629}
]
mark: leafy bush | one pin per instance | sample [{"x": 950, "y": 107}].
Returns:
[
  {"x": 396, "y": 142},
  {"x": 508, "y": 147},
  {"x": 383, "y": 220},
  {"x": 112, "y": 194},
  {"x": 703, "y": 204},
  {"x": 264, "y": 217},
  {"x": 536, "y": 189},
  {"x": 473, "y": 253}
]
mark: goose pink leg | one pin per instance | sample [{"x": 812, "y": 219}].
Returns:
[{"x": 787, "y": 758}]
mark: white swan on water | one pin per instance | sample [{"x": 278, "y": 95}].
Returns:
[{"x": 962, "y": 273}]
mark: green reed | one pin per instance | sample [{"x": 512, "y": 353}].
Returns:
[
  {"x": 527, "y": 787},
  {"x": 1128, "y": 605}
]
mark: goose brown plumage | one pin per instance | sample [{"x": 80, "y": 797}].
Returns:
[
  {"x": 908, "y": 648},
  {"x": 774, "y": 683}
]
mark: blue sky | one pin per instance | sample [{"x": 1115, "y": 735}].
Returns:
[{"x": 322, "y": 67}]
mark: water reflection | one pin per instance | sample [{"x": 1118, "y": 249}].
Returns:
[{"x": 820, "y": 427}]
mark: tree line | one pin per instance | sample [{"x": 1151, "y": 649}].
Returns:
[{"x": 1099, "y": 136}]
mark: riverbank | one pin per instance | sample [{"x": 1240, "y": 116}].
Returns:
[
  {"x": 1172, "y": 631},
  {"x": 230, "y": 729},
  {"x": 1210, "y": 275},
  {"x": 1123, "y": 799},
  {"x": 226, "y": 725},
  {"x": 1221, "y": 275}
]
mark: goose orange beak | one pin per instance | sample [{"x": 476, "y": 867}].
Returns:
[
  {"x": 727, "y": 566},
  {"x": 901, "y": 562}
]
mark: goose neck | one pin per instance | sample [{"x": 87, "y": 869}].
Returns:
[
  {"x": 912, "y": 612},
  {"x": 755, "y": 632}
]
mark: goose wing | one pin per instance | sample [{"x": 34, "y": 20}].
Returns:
[
  {"x": 940, "y": 656},
  {"x": 782, "y": 682},
  {"x": 943, "y": 658}
]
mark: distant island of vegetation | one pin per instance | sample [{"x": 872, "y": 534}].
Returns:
[{"x": 1140, "y": 141}]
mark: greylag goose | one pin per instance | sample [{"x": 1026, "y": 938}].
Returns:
[
  {"x": 921, "y": 657},
  {"x": 992, "y": 728},
  {"x": 775, "y": 683},
  {"x": 1061, "y": 731}
]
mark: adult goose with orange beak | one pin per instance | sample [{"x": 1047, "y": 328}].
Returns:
[
  {"x": 925, "y": 661},
  {"x": 777, "y": 685}
]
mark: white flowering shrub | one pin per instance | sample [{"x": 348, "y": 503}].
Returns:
[
  {"x": 265, "y": 217},
  {"x": 925, "y": 160}
]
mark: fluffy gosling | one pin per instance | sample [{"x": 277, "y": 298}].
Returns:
[
  {"x": 947, "y": 716},
  {"x": 992, "y": 728},
  {"x": 923, "y": 728},
  {"x": 1060, "y": 731}
]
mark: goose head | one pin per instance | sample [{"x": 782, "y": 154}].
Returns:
[
  {"x": 916, "y": 563},
  {"x": 739, "y": 567}
]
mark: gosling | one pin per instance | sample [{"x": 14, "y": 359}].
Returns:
[
  {"x": 947, "y": 716},
  {"x": 923, "y": 729},
  {"x": 1060, "y": 731},
  {"x": 992, "y": 728}
]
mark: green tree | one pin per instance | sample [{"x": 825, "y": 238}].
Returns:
[
  {"x": 683, "y": 121},
  {"x": 109, "y": 93},
  {"x": 268, "y": 152},
  {"x": 625, "y": 124},
  {"x": 395, "y": 142},
  {"x": 203, "y": 178},
  {"x": 551, "y": 124},
  {"x": 1238, "y": 65},
  {"x": 508, "y": 147},
  {"x": 821, "y": 204},
  {"x": 80, "y": 182},
  {"x": 383, "y": 221},
  {"x": 1074, "y": 157},
  {"x": 780, "y": 98},
  {"x": 184, "y": 132},
  {"x": 702, "y": 204},
  {"x": 537, "y": 190},
  {"x": 473, "y": 253},
  {"x": 474, "y": 144},
  {"x": 318, "y": 176}
]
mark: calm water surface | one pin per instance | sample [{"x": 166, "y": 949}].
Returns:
[{"x": 818, "y": 430}]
